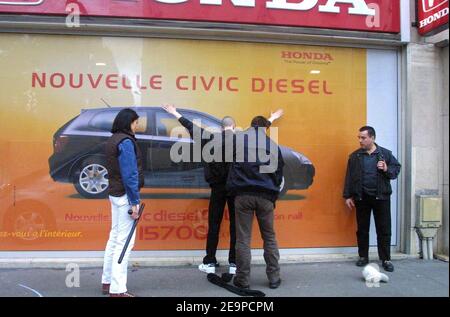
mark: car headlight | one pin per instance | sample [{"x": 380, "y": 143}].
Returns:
[{"x": 303, "y": 159}]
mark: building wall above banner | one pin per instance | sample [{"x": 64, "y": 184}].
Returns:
[{"x": 358, "y": 15}]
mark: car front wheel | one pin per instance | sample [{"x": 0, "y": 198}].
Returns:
[
  {"x": 91, "y": 179},
  {"x": 27, "y": 221}
]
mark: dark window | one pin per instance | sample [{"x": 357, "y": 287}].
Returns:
[{"x": 103, "y": 121}]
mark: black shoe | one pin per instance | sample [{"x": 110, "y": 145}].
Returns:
[
  {"x": 362, "y": 262},
  {"x": 388, "y": 266},
  {"x": 275, "y": 284},
  {"x": 239, "y": 285}
]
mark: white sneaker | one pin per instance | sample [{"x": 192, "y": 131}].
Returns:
[
  {"x": 232, "y": 269},
  {"x": 207, "y": 268}
]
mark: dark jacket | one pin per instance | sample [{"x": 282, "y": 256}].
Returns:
[
  {"x": 245, "y": 176},
  {"x": 216, "y": 173},
  {"x": 353, "y": 187},
  {"x": 116, "y": 186}
]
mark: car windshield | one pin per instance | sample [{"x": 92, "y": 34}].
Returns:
[
  {"x": 204, "y": 122},
  {"x": 167, "y": 125}
]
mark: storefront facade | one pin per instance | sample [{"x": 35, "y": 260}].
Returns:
[{"x": 333, "y": 66}]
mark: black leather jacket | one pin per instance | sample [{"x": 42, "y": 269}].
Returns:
[{"x": 353, "y": 187}]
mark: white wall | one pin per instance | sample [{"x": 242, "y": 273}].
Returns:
[{"x": 382, "y": 100}]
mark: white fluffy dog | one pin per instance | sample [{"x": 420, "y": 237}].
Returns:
[{"x": 373, "y": 275}]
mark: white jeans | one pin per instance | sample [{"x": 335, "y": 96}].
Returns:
[{"x": 121, "y": 223}]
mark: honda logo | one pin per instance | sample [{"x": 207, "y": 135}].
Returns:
[{"x": 429, "y": 5}]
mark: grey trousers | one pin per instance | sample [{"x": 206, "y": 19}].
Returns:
[{"x": 246, "y": 206}]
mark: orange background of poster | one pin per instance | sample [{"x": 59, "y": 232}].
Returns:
[{"x": 321, "y": 126}]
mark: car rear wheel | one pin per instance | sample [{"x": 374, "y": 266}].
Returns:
[{"x": 91, "y": 179}]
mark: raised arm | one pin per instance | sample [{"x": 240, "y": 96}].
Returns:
[
  {"x": 172, "y": 110},
  {"x": 275, "y": 115}
]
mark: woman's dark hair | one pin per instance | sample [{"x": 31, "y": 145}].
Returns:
[
  {"x": 123, "y": 120},
  {"x": 260, "y": 122}
]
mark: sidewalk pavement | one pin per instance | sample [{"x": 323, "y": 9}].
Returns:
[{"x": 412, "y": 278}]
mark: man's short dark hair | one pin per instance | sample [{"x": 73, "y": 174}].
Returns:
[
  {"x": 370, "y": 131},
  {"x": 260, "y": 122},
  {"x": 228, "y": 122},
  {"x": 123, "y": 120}
]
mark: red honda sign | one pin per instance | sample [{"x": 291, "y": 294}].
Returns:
[
  {"x": 362, "y": 15},
  {"x": 431, "y": 15}
]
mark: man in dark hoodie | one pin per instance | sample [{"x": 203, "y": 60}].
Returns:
[
  {"x": 216, "y": 174},
  {"x": 254, "y": 179}
]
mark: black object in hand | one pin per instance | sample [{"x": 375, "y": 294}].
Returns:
[{"x": 130, "y": 235}]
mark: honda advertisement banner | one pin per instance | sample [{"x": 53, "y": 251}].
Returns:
[
  {"x": 60, "y": 94},
  {"x": 357, "y": 15}
]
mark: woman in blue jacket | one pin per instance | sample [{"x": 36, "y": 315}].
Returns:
[{"x": 125, "y": 176}]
